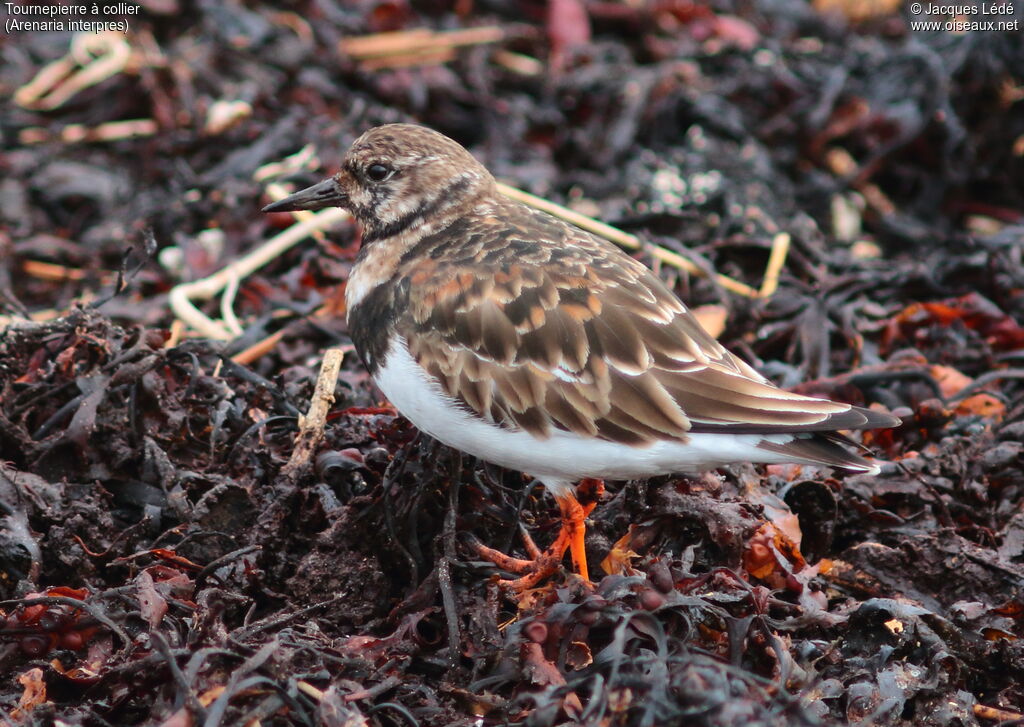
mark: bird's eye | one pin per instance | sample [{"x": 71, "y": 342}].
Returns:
[{"x": 378, "y": 172}]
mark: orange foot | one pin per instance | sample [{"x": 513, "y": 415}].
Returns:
[{"x": 543, "y": 564}]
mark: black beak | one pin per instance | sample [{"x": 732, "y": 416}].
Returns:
[{"x": 320, "y": 195}]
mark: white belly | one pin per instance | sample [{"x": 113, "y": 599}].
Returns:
[{"x": 563, "y": 456}]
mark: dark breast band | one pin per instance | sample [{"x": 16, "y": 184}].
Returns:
[{"x": 371, "y": 323}]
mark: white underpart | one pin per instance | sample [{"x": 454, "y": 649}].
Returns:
[{"x": 564, "y": 457}]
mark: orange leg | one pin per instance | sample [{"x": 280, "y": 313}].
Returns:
[
  {"x": 570, "y": 537},
  {"x": 574, "y": 527}
]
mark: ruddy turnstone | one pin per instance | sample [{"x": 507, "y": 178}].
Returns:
[{"x": 508, "y": 334}]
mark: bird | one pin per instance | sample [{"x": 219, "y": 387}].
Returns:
[{"x": 513, "y": 336}]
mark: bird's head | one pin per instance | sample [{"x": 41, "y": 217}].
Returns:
[{"x": 394, "y": 177}]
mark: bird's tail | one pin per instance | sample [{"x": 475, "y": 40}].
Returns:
[{"x": 823, "y": 448}]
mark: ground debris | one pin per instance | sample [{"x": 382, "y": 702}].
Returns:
[{"x": 160, "y": 563}]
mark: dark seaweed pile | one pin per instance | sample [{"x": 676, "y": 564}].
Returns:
[{"x": 162, "y": 565}]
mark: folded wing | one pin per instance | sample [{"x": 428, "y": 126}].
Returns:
[{"x": 564, "y": 331}]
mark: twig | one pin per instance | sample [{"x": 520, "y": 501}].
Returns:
[
  {"x": 309, "y": 690},
  {"x": 311, "y": 426},
  {"x": 304, "y": 158},
  {"x": 94, "y": 57},
  {"x": 777, "y": 258},
  {"x": 258, "y": 349},
  {"x": 519, "y": 63},
  {"x": 224, "y": 114},
  {"x": 419, "y": 47},
  {"x": 266, "y": 344},
  {"x": 842, "y": 163},
  {"x": 76, "y": 133},
  {"x": 176, "y": 333},
  {"x": 227, "y": 302},
  {"x": 52, "y": 271},
  {"x": 410, "y": 60},
  {"x": 181, "y": 296},
  {"x": 421, "y": 40},
  {"x": 1003, "y": 715}
]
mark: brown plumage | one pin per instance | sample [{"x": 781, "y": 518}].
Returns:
[{"x": 513, "y": 321}]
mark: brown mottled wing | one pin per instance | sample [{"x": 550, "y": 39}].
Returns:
[{"x": 534, "y": 324}]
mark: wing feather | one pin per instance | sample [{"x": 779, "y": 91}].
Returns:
[{"x": 567, "y": 332}]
